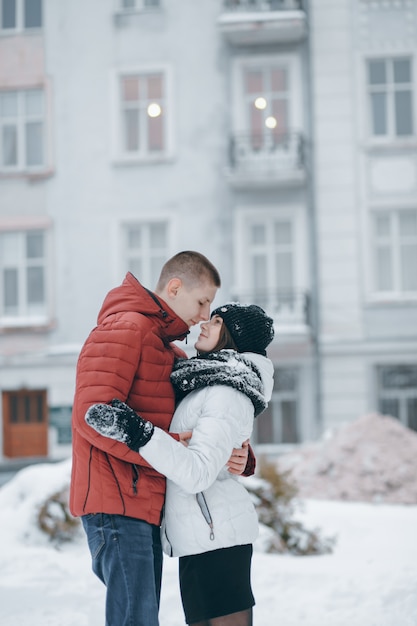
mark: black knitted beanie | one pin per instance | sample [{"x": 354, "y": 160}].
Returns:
[{"x": 250, "y": 327}]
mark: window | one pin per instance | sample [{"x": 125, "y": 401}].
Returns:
[
  {"x": 269, "y": 259},
  {"x": 270, "y": 262},
  {"x": 395, "y": 250},
  {"x": 270, "y": 252},
  {"x": 390, "y": 97},
  {"x": 267, "y": 118},
  {"x": 143, "y": 114},
  {"x": 19, "y": 15},
  {"x": 23, "y": 259},
  {"x": 397, "y": 393},
  {"x": 279, "y": 423},
  {"x": 266, "y": 103},
  {"x": 60, "y": 419},
  {"x": 146, "y": 250},
  {"x": 22, "y": 128}
]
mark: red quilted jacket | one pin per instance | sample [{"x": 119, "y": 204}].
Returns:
[{"x": 128, "y": 355}]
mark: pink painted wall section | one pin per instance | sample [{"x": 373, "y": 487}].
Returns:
[{"x": 22, "y": 61}]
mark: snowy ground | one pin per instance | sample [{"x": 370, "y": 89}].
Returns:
[{"x": 369, "y": 580}]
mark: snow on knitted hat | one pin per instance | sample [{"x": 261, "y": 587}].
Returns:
[{"x": 250, "y": 327}]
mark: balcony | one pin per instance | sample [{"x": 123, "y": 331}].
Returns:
[
  {"x": 257, "y": 22},
  {"x": 290, "y": 309},
  {"x": 262, "y": 161}
]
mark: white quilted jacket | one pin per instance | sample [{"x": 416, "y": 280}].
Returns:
[{"x": 221, "y": 418}]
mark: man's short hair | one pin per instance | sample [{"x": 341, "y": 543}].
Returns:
[{"x": 191, "y": 267}]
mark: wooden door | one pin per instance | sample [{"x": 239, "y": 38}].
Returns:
[{"x": 25, "y": 423}]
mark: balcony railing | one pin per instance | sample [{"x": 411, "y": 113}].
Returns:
[
  {"x": 261, "y": 5},
  {"x": 128, "y": 11},
  {"x": 257, "y": 22},
  {"x": 266, "y": 160},
  {"x": 287, "y": 307}
]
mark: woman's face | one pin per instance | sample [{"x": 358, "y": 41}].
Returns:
[{"x": 209, "y": 334}]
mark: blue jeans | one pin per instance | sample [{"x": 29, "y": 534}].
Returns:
[{"x": 127, "y": 557}]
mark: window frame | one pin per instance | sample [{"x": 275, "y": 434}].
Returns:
[
  {"x": 20, "y": 20},
  {"x": 24, "y": 318},
  {"x": 275, "y": 407},
  {"x": 390, "y": 137},
  {"x": 22, "y": 167},
  {"x": 243, "y": 217},
  {"x": 395, "y": 393},
  {"x": 291, "y": 63},
  {"x": 395, "y": 247},
  {"x": 59, "y": 419},
  {"x": 146, "y": 276},
  {"x": 122, "y": 156}
]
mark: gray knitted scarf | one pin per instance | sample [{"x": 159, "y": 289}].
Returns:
[{"x": 226, "y": 367}]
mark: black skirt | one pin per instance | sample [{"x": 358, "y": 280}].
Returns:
[{"x": 216, "y": 583}]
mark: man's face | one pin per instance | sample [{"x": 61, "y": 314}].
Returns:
[{"x": 193, "y": 305}]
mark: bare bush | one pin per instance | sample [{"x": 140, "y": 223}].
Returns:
[
  {"x": 274, "y": 495},
  {"x": 54, "y": 518}
]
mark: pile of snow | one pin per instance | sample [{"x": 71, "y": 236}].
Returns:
[
  {"x": 22, "y": 498},
  {"x": 370, "y": 579},
  {"x": 371, "y": 459}
]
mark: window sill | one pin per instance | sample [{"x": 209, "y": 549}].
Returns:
[
  {"x": 124, "y": 160},
  {"x": 390, "y": 145},
  {"x": 13, "y": 32},
  {"x": 392, "y": 299},
  {"x": 32, "y": 175},
  {"x": 33, "y": 324}
]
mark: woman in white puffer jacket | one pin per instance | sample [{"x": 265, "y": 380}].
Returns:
[
  {"x": 209, "y": 520},
  {"x": 221, "y": 418}
]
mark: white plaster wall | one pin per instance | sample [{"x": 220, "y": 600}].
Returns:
[
  {"x": 21, "y": 198},
  {"x": 344, "y": 388},
  {"x": 92, "y": 193},
  {"x": 89, "y": 195},
  {"x": 335, "y": 172},
  {"x": 57, "y": 376},
  {"x": 21, "y": 61},
  {"x": 357, "y": 332}
]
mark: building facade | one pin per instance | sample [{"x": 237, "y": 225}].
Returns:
[
  {"x": 364, "y": 72},
  {"x": 278, "y": 137}
]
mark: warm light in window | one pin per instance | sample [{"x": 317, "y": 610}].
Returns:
[
  {"x": 260, "y": 103},
  {"x": 271, "y": 122},
  {"x": 154, "y": 110}
]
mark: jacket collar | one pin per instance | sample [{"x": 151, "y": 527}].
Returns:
[
  {"x": 131, "y": 296},
  {"x": 225, "y": 367}
]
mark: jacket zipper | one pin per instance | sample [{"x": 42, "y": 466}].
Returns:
[
  {"x": 171, "y": 552},
  {"x": 89, "y": 478},
  {"x": 135, "y": 478},
  {"x": 202, "y": 503}
]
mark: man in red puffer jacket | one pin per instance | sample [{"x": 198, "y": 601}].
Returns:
[{"x": 129, "y": 356}]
